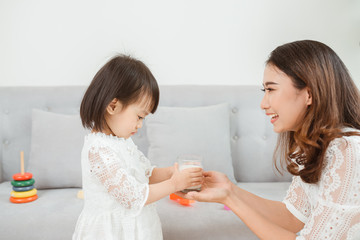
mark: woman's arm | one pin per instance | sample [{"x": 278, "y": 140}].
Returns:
[
  {"x": 274, "y": 211},
  {"x": 161, "y": 174},
  {"x": 267, "y": 219}
]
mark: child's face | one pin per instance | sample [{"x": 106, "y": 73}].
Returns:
[
  {"x": 285, "y": 104},
  {"x": 125, "y": 122}
]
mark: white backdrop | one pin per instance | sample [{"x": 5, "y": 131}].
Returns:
[{"x": 53, "y": 42}]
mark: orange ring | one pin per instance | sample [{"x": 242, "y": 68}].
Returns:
[
  {"x": 23, "y": 200},
  {"x": 22, "y": 177}
]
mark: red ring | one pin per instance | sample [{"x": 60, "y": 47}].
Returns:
[{"x": 22, "y": 177}]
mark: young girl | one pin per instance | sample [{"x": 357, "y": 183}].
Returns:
[
  {"x": 314, "y": 105},
  {"x": 119, "y": 183}
]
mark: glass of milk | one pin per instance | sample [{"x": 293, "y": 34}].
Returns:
[{"x": 190, "y": 161}]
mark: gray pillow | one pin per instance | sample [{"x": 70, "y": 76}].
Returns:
[
  {"x": 205, "y": 131},
  {"x": 55, "y": 154}
]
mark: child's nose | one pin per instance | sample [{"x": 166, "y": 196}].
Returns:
[{"x": 139, "y": 124}]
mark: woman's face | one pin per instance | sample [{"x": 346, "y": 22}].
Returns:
[{"x": 282, "y": 102}]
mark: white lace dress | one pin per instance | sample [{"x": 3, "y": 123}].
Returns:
[
  {"x": 115, "y": 178},
  {"x": 330, "y": 209}
]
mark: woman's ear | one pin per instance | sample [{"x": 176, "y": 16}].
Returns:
[
  {"x": 309, "y": 97},
  {"x": 114, "y": 106}
]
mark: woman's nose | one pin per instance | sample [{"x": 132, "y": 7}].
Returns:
[{"x": 264, "y": 103}]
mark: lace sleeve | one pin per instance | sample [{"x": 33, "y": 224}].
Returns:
[
  {"x": 148, "y": 168},
  {"x": 106, "y": 166},
  {"x": 336, "y": 214},
  {"x": 297, "y": 201},
  {"x": 147, "y": 165}
]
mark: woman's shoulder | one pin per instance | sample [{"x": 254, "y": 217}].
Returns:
[
  {"x": 344, "y": 149},
  {"x": 345, "y": 142}
]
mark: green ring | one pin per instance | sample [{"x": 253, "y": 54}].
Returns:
[{"x": 23, "y": 183}]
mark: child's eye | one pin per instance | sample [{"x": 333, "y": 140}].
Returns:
[{"x": 140, "y": 118}]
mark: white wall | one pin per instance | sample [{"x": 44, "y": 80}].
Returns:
[{"x": 44, "y": 42}]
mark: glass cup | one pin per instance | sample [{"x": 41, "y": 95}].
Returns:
[{"x": 190, "y": 161}]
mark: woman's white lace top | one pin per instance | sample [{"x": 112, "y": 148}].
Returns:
[
  {"x": 330, "y": 209},
  {"x": 115, "y": 176}
]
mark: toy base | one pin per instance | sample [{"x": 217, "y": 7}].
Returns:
[{"x": 23, "y": 200}]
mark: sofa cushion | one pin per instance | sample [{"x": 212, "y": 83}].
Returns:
[
  {"x": 204, "y": 131},
  {"x": 55, "y": 155},
  {"x": 210, "y": 220},
  {"x": 52, "y": 216}
]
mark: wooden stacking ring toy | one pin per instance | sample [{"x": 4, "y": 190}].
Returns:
[
  {"x": 23, "y": 200},
  {"x": 23, "y": 185},
  {"x": 22, "y": 177},
  {"x": 30, "y": 193},
  {"x": 23, "y": 189}
]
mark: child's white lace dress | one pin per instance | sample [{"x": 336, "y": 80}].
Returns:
[
  {"x": 115, "y": 177},
  {"x": 330, "y": 209}
]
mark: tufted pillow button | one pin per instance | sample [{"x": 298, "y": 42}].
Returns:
[
  {"x": 6, "y": 142},
  {"x": 234, "y": 110},
  {"x": 6, "y": 111},
  {"x": 235, "y": 137},
  {"x": 264, "y": 137}
]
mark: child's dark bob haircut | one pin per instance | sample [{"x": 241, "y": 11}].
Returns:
[{"x": 124, "y": 78}]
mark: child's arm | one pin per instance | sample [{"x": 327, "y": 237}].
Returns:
[
  {"x": 178, "y": 181},
  {"x": 106, "y": 166},
  {"x": 161, "y": 174}
]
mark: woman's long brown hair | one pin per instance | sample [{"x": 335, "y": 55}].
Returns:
[{"x": 335, "y": 105}]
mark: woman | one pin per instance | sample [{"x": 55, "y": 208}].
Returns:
[{"x": 314, "y": 105}]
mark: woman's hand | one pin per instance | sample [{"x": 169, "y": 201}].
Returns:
[
  {"x": 186, "y": 178},
  {"x": 215, "y": 188}
]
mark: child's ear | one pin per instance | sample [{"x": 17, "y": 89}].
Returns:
[
  {"x": 309, "y": 97},
  {"x": 114, "y": 106}
]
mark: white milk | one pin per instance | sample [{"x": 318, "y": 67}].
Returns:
[{"x": 189, "y": 165}]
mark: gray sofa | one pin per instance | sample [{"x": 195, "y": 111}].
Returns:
[{"x": 54, "y": 214}]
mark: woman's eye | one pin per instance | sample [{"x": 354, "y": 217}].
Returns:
[{"x": 267, "y": 89}]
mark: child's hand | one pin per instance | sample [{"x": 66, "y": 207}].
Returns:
[{"x": 186, "y": 178}]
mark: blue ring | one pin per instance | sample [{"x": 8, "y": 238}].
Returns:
[{"x": 23, "y": 189}]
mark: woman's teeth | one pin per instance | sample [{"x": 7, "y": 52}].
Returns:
[{"x": 274, "y": 116}]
